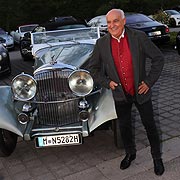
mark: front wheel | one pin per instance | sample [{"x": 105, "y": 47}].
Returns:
[
  {"x": 117, "y": 134},
  {"x": 8, "y": 141},
  {"x": 172, "y": 22},
  {"x": 24, "y": 47}
]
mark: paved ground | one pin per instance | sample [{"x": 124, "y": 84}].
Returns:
[
  {"x": 98, "y": 158},
  {"x": 176, "y": 29},
  {"x": 140, "y": 169}
]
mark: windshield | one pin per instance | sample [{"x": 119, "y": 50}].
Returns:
[
  {"x": 28, "y": 28},
  {"x": 137, "y": 18},
  {"x": 72, "y": 54},
  {"x": 49, "y": 37},
  {"x": 172, "y": 12}
]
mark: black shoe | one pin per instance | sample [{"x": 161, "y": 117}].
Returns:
[
  {"x": 126, "y": 162},
  {"x": 158, "y": 167}
]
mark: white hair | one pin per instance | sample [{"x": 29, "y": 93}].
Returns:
[{"x": 121, "y": 12}]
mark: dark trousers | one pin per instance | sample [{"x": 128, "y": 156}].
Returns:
[{"x": 123, "y": 111}]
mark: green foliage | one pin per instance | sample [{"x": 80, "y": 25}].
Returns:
[
  {"x": 173, "y": 38},
  {"x": 162, "y": 17},
  {"x": 14, "y": 13}
]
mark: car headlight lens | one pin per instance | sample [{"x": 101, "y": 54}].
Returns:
[
  {"x": 81, "y": 82},
  {"x": 4, "y": 54},
  {"x": 24, "y": 87}
]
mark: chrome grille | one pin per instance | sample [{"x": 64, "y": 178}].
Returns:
[{"x": 53, "y": 86}]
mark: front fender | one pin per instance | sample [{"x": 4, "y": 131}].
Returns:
[
  {"x": 104, "y": 111},
  {"x": 8, "y": 116}
]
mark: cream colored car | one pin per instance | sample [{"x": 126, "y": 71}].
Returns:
[
  {"x": 174, "y": 17},
  {"x": 60, "y": 104},
  {"x": 21, "y": 30}
]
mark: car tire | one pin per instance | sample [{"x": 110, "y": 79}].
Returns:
[
  {"x": 178, "y": 49},
  {"x": 10, "y": 70},
  {"x": 24, "y": 57},
  {"x": 172, "y": 22},
  {"x": 10, "y": 67},
  {"x": 8, "y": 141},
  {"x": 117, "y": 134}
]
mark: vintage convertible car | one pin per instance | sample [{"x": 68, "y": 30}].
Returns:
[{"x": 59, "y": 104}]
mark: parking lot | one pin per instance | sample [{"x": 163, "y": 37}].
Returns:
[{"x": 30, "y": 163}]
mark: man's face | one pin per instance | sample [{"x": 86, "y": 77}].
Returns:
[{"x": 115, "y": 24}]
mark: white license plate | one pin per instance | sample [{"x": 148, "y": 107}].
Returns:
[
  {"x": 155, "y": 33},
  {"x": 66, "y": 139}
]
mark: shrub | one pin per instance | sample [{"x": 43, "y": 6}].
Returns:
[{"x": 162, "y": 17}]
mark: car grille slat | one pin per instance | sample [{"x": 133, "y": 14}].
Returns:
[{"x": 53, "y": 86}]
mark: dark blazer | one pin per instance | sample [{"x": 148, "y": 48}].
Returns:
[{"x": 103, "y": 69}]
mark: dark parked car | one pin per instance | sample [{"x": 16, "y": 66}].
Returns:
[
  {"x": 56, "y": 23},
  {"x": 60, "y": 104},
  {"x": 9, "y": 41},
  {"x": 5, "y": 65},
  {"x": 21, "y": 30},
  {"x": 156, "y": 31}
]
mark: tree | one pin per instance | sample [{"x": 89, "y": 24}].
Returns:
[{"x": 14, "y": 13}]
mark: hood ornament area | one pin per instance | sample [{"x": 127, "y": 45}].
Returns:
[{"x": 53, "y": 60}]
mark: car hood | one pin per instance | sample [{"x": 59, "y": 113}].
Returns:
[
  {"x": 4, "y": 36},
  {"x": 71, "y": 54},
  {"x": 175, "y": 16},
  {"x": 50, "y": 66}
]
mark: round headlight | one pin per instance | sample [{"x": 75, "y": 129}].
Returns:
[
  {"x": 80, "y": 82},
  {"x": 24, "y": 87}
]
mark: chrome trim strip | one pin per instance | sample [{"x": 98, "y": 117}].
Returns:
[
  {"x": 50, "y": 67},
  {"x": 59, "y": 128},
  {"x": 56, "y": 133}
]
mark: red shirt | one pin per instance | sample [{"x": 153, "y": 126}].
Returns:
[{"x": 123, "y": 62}]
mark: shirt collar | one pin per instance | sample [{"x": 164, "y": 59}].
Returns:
[{"x": 121, "y": 36}]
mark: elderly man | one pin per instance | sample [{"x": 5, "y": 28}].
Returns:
[{"x": 118, "y": 62}]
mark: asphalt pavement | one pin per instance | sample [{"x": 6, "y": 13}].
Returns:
[{"x": 98, "y": 158}]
